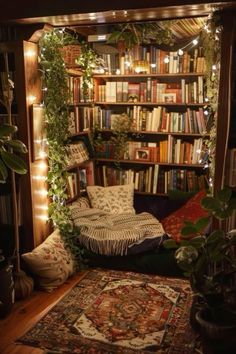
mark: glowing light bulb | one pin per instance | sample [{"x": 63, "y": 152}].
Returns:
[
  {"x": 153, "y": 65},
  {"x": 166, "y": 60},
  {"x": 214, "y": 67},
  {"x": 206, "y": 112},
  {"x": 117, "y": 71},
  {"x": 180, "y": 52},
  {"x": 195, "y": 42}
]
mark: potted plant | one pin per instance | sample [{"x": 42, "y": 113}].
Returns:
[{"x": 209, "y": 262}]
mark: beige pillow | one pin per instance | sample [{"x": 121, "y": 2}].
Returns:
[
  {"x": 50, "y": 262},
  {"x": 114, "y": 199}
]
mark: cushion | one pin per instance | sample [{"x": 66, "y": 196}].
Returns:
[
  {"x": 81, "y": 203},
  {"x": 113, "y": 199},
  {"x": 191, "y": 211},
  {"x": 51, "y": 263}
]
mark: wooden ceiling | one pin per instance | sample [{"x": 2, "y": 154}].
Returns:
[{"x": 75, "y": 12}]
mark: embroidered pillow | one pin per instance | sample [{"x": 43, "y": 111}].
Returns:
[
  {"x": 113, "y": 199},
  {"x": 51, "y": 263},
  {"x": 81, "y": 203},
  {"x": 191, "y": 211}
]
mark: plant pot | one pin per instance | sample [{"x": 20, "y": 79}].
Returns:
[
  {"x": 217, "y": 330},
  {"x": 197, "y": 305},
  {"x": 7, "y": 295}
]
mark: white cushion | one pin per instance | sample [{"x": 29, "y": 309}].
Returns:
[
  {"x": 50, "y": 262},
  {"x": 114, "y": 199}
]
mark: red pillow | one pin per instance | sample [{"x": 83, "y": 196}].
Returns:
[{"x": 191, "y": 211}]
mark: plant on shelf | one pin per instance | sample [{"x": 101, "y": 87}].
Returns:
[
  {"x": 209, "y": 261},
  {"x": 88, "y": 61},
  {"x": 131, "y": 34}
]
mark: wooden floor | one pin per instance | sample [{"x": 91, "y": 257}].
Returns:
[{"x": 26, "y": 313}]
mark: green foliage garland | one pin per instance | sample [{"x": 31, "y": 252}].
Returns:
[
  {"x": 210, "y": 41},
  {"x": 54, "y": 78}
]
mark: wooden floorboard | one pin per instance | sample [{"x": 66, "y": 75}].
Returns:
[{"x": 25, "y": 313}]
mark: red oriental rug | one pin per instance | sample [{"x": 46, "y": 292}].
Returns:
[{"x": 118, "y": 312}]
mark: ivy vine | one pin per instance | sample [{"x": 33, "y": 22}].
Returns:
[{"x": 56, "y": 98}]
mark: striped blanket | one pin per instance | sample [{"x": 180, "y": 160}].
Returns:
[{"x": 110, "y": 234}]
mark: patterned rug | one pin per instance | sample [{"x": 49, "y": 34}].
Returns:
[{"x": 118, "y": 312}]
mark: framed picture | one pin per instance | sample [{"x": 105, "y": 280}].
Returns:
[
  {"x": 142, "y": 154},
  {"x": 169, "y": 97},
  {"x": 39, "y": 144}
]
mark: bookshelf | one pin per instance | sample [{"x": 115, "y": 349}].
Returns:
[{"x": 166, "y": 147}]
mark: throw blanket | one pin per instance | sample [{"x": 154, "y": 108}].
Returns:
[{"x": 110, "y": 234}]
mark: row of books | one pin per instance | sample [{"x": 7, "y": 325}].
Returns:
[
  {"x": 75, "y": 87},
  {"x": 152, "y": 91},
  {"x": 157, "y": 119},
  {"x": 171, "y": 150},
  {"x": 76, "y": 182},
  {"x": 152, "y": 60},
  {"x": 154, "y": 180}
]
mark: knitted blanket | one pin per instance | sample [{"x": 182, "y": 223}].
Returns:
[{"x": 110, "y": 234}]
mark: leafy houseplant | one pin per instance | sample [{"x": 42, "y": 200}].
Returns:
[{"x": 209, "y": 261}]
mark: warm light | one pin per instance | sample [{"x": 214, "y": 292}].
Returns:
[
  {"x": 42, "y": 192},
  {"x": 31, "y": 98},
  {"x": 166, "y": 60},
  {"x": 214, "y": 67},
  {"x": 30, "y": 53},
  {"x": 42, "y": 207},
  {"x": 42, "y": 165},
  {"x": 42, "y": 217},
  {"x": 198, "y": 151},
  {"x": 127, "y": 63},
  {"x": 39, "y": 178},
  {"x": 180, "y": 52},
  {"x": 195, "y": 42},
  {"x": 206, "y": 99},
  {"x": 153, "y": 65},
  {"x": 206, "y": 113},
  {"x": 42, "y": 154},
  {"x": 117, "y": 71}
]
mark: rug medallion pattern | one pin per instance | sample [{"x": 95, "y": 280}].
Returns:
[{"x": 118, "y": 312}]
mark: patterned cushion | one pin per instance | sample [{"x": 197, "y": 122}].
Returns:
[
  {"x": 50, "y": 262},
  {"x": 114, "y": 199},
  {"x": 81, "y": 203},
  {"x": 191, "y": 211}
]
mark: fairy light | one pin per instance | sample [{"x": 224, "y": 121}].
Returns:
[
  {"x": 30, "y": 53},
  {"x": 43, "y": 192},
  {"x": 31, "y": 98},
  {"x": 153, "y": 65},
  {"x": 206, "y": 112},
  {"x": 166, "y": 60},
  {"x": 195, "y": 41},
  {"x": 180, "y": 52},
  {"x": 117, "y": 71},
  {"x": 214, "y": 67}
]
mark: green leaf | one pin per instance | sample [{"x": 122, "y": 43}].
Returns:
[
  {"x": 188, "y": 231},
  {"x": 215, "y": 236},
  {"x": 3, "y": 172},
  {"x": 14, "y": 162},
  {"x": 17, "y": 145},
  {"x": 232, "y": 205},
  {"x": 202, "y": 223},
  {"x": 197, "y": 241},
  {"x": 7, "y": 129},
  {"x": 224, "y": 195},
  {"x": 170, "y": 244},
  {"x": 210, "y": 203}
]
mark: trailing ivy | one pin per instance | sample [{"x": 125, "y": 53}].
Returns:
[
  {"x": 210, "y": 40},
  {"x": 56, "y": 98}
]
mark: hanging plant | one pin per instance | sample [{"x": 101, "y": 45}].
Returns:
[
  {"x": 88, "y": 61},
  {"x": 56, "y": 98},
  {"x": 142, "y": 33},
  {"x": 210, "y": 40}
]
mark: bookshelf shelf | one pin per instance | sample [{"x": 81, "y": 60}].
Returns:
[
  {"x": 173, "y": 75},
  {"x": 136, "y": 162},
  {"x": 174, "y": 104}
]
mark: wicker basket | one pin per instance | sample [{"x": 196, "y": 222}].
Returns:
[{"x": 70, "y": 53}]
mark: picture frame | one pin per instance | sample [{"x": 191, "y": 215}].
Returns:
[
  {"x": 142, "y": 154},
  {"x": 169, "y": 97},
  {"x": 39, "y": 141}
]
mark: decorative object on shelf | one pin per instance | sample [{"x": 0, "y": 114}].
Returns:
[
  {"x": 10, "y": 160},
  {"x": 209, "y": 262}
]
